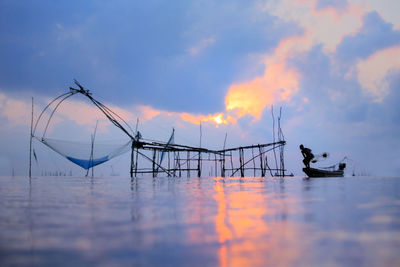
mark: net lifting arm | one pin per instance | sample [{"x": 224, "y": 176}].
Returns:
[
  {"x": 104, "y": 109},
  {"x": 65, "y": 95}
]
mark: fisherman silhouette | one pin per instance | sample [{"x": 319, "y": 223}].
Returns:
[{"x": 308, "y": 156}]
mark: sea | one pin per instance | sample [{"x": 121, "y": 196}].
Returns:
[{"x": 209, "y": 221}]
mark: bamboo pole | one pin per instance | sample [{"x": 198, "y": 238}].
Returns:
[
  {"x": 231, "y": 161},
  {"x": 154, "y": 163},
  {"x": 241, "y": 163},
  {"x": 199, "y": 159},
  {"x": 199, "y": 165},
  {"x": 215, "y": 158},
  {"x": 132, "y": 156},
  {"x": 254, "y": 163},
  {"x": 273, "y": 134},
  {"x": 188, "y": 163},
  {"x": 169, "y": 164},
  {"x": 30, "y": 144},
  {"x": 179, "y": 164},
  {"x": 261, "y": 162},
  {"x": 174, "y": 164},
  {"x": 223, "y": 158},
  {"x": 136, "y": 162}
]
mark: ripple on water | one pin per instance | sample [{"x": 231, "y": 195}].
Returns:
[{"x": 202, "y": 221}]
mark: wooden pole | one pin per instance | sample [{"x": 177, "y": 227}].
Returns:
[
  {"x": 137, "y": 149},
  {"x": 223, "y": 165},
  {"x": 136, "y": 162},
  {"x": 154, "y": 163},
  {"x": 169, "y": 164},
  {"x": 254, "y": 163},
  {"x": 188, "y": 164},
  {"x": 231, "y": 161},
  {"x": 178, "y": 161},
  {"x": 175, "y": 164},
  {"x": 215, "y": 159},
  {"x": 199, "y": 165},
  {"x": 261, "y": 161},
  {"x": 281, "y": 148},
  {"x": 223, "y": 158},
  {"x": 273, "y": 134},
  {"x": 132, "y": 156},
  {"x": 241, "y": 162},
  {"x": 199, "y": 159},
  {"x": 30, "y": 144},
  {"x": 92, "y": 150}
]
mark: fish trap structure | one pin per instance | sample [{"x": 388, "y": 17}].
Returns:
[
  {"x": 180, "y": 160},
  {"x": 156, "y": 158}
]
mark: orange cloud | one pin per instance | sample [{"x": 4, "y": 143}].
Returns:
[
  {"x": 278, "y": 83},
  {"x": 325, "y": 26},
  {"x": 217, "y": 118},
  {"x": 147, "y": 112}
]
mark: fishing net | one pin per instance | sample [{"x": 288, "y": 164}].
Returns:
[
  {"x": 88, "y": 155},
  {"x": 170, "y": 141}
]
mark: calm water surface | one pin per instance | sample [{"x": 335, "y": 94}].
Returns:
[{"x": 200, "y": 221}]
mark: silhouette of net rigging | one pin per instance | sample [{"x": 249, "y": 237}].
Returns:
[
  {"x": 90, "y": 154},
  {"x": 84, "y": 154}
]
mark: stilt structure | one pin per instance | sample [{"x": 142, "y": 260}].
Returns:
[
  {"x": 244, "y": 164},
  {"x": 147, "y": 157}
]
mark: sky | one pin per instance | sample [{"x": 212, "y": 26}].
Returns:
[{"x": 333, "y": 67}]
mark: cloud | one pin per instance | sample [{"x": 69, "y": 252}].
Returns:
[
  {"x": 203, "y": 44},
  {"x": 375, "y": 34},
  {"x": 338, "y": 4},
  {"x": 147, "y": 112},
  {"x": 391, "y": 102},
  {"x": 325, "y": 26},
  {"x": 331, "y": 64},
  {"x": 147, "y": 57},
  {"x": 83, "y": 115},
  {"x": 216, "y": 119},
  {"x": 372, "y": 72},
  {"x": 278, "y": 83},
  {"x": 387, "y": 9},
  {"x": 15, "y": 111},
  {"x": 324, "y": 88}
]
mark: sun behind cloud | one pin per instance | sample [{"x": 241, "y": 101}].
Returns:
[{"x": 277, "y": 84}]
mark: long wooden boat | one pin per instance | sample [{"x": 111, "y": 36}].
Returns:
[{"x": 312, "y": 172}]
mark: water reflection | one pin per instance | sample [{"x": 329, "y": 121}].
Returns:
[
  {"x": 199, "y": 221},
  {"x": 251, "y": 225}
]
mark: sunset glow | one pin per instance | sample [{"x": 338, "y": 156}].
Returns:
[
  {"x": 328, "y": 64},
  {"x": 217, "y": 119},
  {"x": 197, "y": 133},
  {"x": 278, "y": 84},
  {"x": 246, "y": 218}
]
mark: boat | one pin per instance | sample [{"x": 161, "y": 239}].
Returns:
[{"x": 313, "y": 172}]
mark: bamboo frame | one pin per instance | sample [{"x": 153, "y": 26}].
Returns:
[{"x": 216, "y": 159}]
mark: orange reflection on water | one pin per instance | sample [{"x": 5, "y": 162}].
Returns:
[
  {"x": 250, "y": 228},
  {"x": 239, "y": 222}
]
